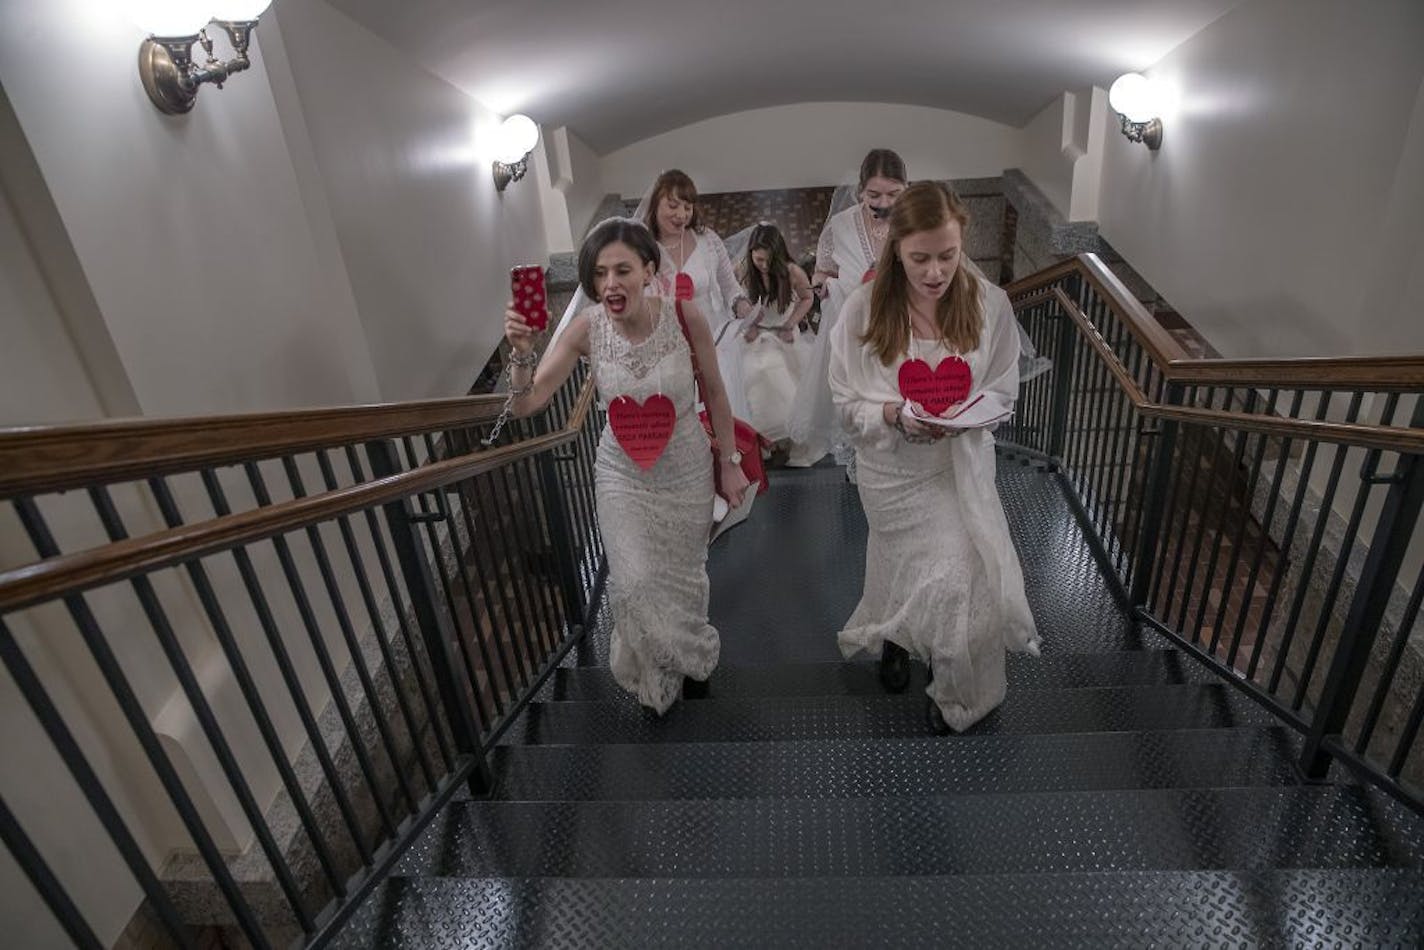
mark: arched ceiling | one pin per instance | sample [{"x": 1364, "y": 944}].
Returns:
[{"x": 618, "y": 71}]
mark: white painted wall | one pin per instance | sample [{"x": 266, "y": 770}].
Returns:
[
  {"x": 1047, "y": 139},
  {"x": 405, "y": 160},
  {"x": 586, "y": 189},
  {"x": 1288, "y": 182},
  {"x": 818, "y": 143}
]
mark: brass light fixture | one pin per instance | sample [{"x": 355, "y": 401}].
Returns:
[
  {"x": 165, "y": 59},
  {"x": 1137, "y": 102},
  {"x": 517, "y": 137}
]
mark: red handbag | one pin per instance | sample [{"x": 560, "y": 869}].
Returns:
[{"x": 749, "y": 441}]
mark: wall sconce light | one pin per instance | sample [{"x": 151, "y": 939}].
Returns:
[
  {"x": 1137, "y": 102},
  {"x": 165, "y": 60},
  {"x": 517, "y": 137}
]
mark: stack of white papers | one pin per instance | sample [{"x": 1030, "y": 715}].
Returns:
[{"x": 976, "y": 412}]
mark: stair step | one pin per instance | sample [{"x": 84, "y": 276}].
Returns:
[
  {"x": 878, "y": 768},
  {"x": 1061, "y": 671},
  {"x": 1140, "y": 829},
  {"x": 1122, "y": 909},
  {"x": 1116, "y": 709}
]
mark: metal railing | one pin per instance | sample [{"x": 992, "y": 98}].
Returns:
[
  {"x": 351, "y": 605},
  {"x": 1265, "y": 514}
]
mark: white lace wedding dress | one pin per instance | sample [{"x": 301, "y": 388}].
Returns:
[
  {"x": 772, "y": 368},
  {"x": 942, "y": 578},
  {"x": 655, "y": 522},
  {"x": 845, "y": 247}
]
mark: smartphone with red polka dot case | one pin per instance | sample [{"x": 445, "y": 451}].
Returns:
[{"x": 530, "y": 301}]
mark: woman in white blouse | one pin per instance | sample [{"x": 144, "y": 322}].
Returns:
[{"x": 942, "y": 578}]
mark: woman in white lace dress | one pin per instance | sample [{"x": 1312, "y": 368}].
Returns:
[
  {"x": 773, "y": 349},
  {"x": 695, "y": 267},
  {"x": 850, "y": 245},
  {"x": 654, "y": 516},
  {"x": 942, "y": 578}
]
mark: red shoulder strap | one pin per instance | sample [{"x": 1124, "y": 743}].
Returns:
[{"x": 691, "y": 350}]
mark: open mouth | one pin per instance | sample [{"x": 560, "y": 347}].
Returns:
[
  {"x": 615, "y": 303},
  {"x": 934, "y": 290}
]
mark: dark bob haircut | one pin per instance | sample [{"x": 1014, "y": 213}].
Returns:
[{"x": 613, "y": 231}]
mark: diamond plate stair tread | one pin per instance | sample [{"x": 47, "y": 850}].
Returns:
[
  {"x": 878, "y": 768},
  {"x": 1125, "y": 709},
  {"x": 1377, "y": 908},
  {"x": 796, "y": 622},
  {"x": 1063, "y": 671},
  {"x": 1154, "y": 829}
]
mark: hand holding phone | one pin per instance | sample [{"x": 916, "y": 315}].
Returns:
[{"x": 530, "y": 302}]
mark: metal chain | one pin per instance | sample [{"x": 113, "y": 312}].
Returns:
[{"x": 514, "y": 394}]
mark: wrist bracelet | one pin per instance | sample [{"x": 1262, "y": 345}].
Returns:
[{"x": 528, "y": 360}]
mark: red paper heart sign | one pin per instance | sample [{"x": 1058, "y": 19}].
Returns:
[
  {"x": 868, "y": 276},
  {"x": 939, "y": 389},
  {"x": 643, "y": 430},
  {"x": 683, "y": 289}
]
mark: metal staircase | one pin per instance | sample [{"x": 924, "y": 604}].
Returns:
[{"x": 1123, "y": 794}]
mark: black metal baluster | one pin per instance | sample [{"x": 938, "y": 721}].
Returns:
[
  {"x": 440, "y": 631},
  {"x": 1307, "y": 467},
  {"x": 1265, "y": 539},
  {"x": 198, "y": 702},
  {"x": 1391, "y": 664},
  {"x": 1327, "y": 506},
  {"x": 373, "y": 612},
  {"x": 323, "y": 656},
  {"x": 1184, "y": 462},
  {"x": 89, "y": 785},
  {"x": 353, "y": 644},
  {"x": 277, "y": 644},
  {"x": 378, "y": 541},
  {"x": 56, "y": 898},
  {"x": 137, "y": 719},
  {"x": 1389, "y": 544},
  {"x": 538, "y": 637},
  {"x": 1205, "y": 515},
  {"x": 1134, "y": 469},
  {"x": 1120, "y": 466},
  {"x": 1232, "y": 473},
  {"x": 480, "y": 558},
  {"x": 207, "y": 597}
]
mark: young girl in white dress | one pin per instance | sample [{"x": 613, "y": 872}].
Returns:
[
  {"x": 654, "y": 515},
  {"x": 773, "y": 349},
  {"x": 850, "y": 245},
  {"x": 942, "y": 578}
]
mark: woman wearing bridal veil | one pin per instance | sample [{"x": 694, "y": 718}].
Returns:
[{"x": 851, "y": 243}]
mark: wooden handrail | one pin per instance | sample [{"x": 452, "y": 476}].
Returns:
[
  {"x": 69, "y": 574},
  {"x": 56, "y": 458},
  {"x": 1370, "y": 374},
  {"x": 1385, "y": 438}
]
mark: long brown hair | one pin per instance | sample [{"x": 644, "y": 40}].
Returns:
[
  {"x": 673, "y": 182},
  {"x": 776, "y": 285},
  {"x": 959, "y": 315}
]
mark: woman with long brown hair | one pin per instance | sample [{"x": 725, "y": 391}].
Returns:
[{"x": 942, "y": 578}]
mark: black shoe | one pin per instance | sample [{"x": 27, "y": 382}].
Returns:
[
  {"x": 894, "y": 667},
  {"x": 935, "y": 718},
  {"x": 693, "y": 689}
]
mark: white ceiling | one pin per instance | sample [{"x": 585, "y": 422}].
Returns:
[{"x": 617, "y": 71}]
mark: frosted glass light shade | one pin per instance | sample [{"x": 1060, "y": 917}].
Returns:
[
  {"x": 1134, "y": 97},
  {"x": 170, "y": 18},
  {"x": 517, "y": 137},
  {"x": 238, "y": 11}
]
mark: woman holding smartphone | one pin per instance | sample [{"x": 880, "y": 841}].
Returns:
[
  {"x": 942, "y": 578},
  {"x": 654, "y": 493}
]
